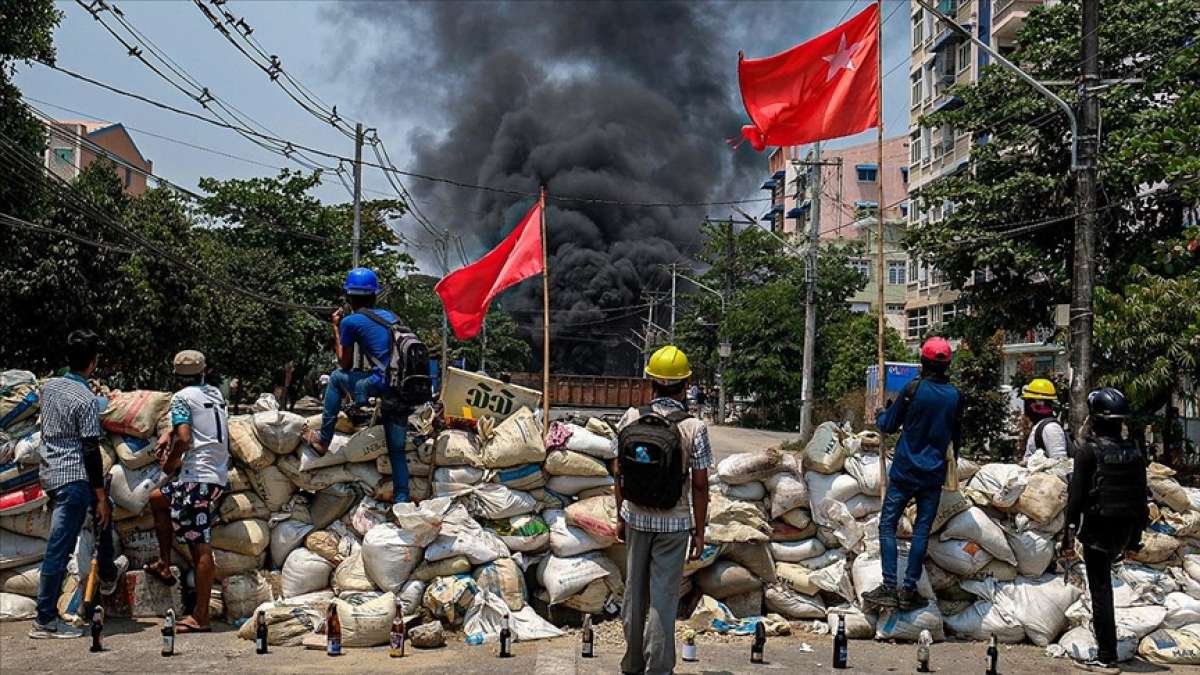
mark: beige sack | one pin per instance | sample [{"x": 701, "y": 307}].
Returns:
[
  {"x": 272, "y": 486},
  {"x": 242, "y": 506},
  {"x": 571, "y": 463},
  {"x": 504, "y": 578},
  {"x": 726, "y": 578},
  {"x": 279, "y": 431},
  {"x": 247, "y": 537},
  {"x": 595, "y": 515},
  {"x": 244, "y": 444},
  {"x": 134, "y": 413},
  {"x": 732, "y": 521},
  {"x": 455, "y": 447},
  {"x": 351, "y": 575},
  {"x": 242, "y": 593},
  {"x": 133, "y": 452},
  {"x": 516, "y": 440},
  {"x": 1045, "y": 496},
  {"x": 448, "y": 567}
]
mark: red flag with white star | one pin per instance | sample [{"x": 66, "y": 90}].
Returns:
[{"x": 824, "y": 88}]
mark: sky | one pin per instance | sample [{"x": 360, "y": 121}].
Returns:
[{"x": 354, "y": 56}]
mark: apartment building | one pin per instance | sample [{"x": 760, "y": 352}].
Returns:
[
  {"x": 941, "y": 59},
  {"x": 75, "y": 144},
  {"x": 849, "y": 205}
]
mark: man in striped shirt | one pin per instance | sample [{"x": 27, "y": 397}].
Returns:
[
  {"x": 72, "y": 476},
  {"x": 658, "y": 539}
]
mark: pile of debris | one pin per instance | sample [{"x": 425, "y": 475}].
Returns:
[{"x": 506, "y": 523}]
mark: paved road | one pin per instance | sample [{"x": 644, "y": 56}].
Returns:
[{"x": 133, "y": 647}]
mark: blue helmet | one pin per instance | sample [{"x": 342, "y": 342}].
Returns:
[{"x": 361, "y": 281}]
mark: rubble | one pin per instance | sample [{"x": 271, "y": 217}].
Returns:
[{"x": 505, "y": 524}]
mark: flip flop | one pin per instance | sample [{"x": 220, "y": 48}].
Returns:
[
  {"x": 189, "y": 625},
  {"x": 156, "y": 570}
]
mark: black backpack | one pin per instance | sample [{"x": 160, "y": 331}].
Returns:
[
  {"x": 1039, "y": 440},
  {"x": 1119, "y": 484},
  {"x": 651, "y": 459},
  {"x": 407, "y": 371}
]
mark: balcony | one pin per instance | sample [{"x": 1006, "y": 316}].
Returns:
[
  {"x": 1007, "y": 18},
  {"x": 772, "y": 212},
  {"x": 947, "y": 37},
  {"x": 769, "y": 184}
]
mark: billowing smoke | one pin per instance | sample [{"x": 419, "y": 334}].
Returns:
[{"x": 621, "y": 101}]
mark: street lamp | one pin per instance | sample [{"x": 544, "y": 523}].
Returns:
[{"x": 723, "y": 350}]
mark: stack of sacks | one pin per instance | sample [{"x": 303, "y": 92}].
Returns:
[{"x": 24, "y": 513}]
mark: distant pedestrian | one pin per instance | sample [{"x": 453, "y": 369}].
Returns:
[
  {"x": 693, "y": 399},
  {"x": 72, "y": 476},
  {"x": 662, "y": 507},
  {"x": 1107, "y": 508},
  {"x": 1047, "y": 434},
  {"x": 930, "y": 414},
  {"x": 196, "y": 445}
]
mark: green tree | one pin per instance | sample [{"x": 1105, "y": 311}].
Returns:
[{"x": 851, "y": 349}]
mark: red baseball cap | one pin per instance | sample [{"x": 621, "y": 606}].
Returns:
[{"x": 936, "y": 349}]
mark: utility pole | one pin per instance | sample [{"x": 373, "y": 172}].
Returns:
[
  {"x": 810, "y": 308},
  {"x": 1083, "y": 274},
  {"x": 483, "y": 347},
  {"x": 649, "y": 328},
  {"x": 723, "y": 351},
  {"x": 673, "y": 269},
  {"x": 357, "y": 234},
  {"x": 444, "y": 362}
]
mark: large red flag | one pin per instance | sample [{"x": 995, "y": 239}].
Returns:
[
  {"x": 825, "y": 88},
  {"x": 466, "y": 292}
]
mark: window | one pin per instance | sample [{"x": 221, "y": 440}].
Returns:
[
  {"x": 913, "y": 266},
  {"x": 904, "y": 209},
  {"x": 914, "y": 148},
  {"x": 897, "y": 270},
  {"x": 948, "y": 7},
  {"x": 862, "y": 266},
  {"x": 904, "y": 173},
  {"x": 916, "y": 89},
  {"x": 867, "y": 173},
  {"x": 964, "y": 56},
  {"x": 949, "y": 311},
  {"x": 64, "y": 155},
  {"x": 860, "y": 307},
  {"x": 918, "y": 34},
  {"x": 894, "y": 308},
  {"x": 128, "y": 177},
  {"x": 926, "y": 142},
  {"x": 918, "y": 322}
]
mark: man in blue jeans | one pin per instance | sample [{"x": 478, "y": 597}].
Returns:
[
  {"x": 930, "y": 414},
  {"x": 362, "y": 377},
  {"x": 72, "y": 475}
]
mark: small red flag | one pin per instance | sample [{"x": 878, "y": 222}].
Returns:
[
  {"x": 468, "y": 291},
  {"x": 824, "y": 88}
]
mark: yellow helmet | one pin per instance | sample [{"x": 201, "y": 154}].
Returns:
[
  {"x": 669, "y": 363},
  {"x": 1040, "y": 389}
]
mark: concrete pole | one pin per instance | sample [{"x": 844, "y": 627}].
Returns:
[
  {"x": 810, "y": 308},
  {"x": 357, "y": 233}
]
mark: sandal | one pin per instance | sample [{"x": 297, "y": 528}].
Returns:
[
  {"x": 312, "y": 438},
  {"x": 188, "y": 625},
  {"x": 161, "y": 571}
]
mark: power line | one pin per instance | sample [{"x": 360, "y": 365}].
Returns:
[
  {"x": 412, "y": 174},
  {"x": 14, "y": 221}
]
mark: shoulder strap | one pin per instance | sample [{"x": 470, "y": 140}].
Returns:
[
  {"x": 1039, "y": 441},
  {"x": 374, "y": 316},
  {"x": 644, "y": 410},
  {"x": 910, "y": 390},
  {"x": 678, "y": 416}
]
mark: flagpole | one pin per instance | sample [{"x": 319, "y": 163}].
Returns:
[
  {"x": 881, "y": 306},
  {"x": 545, "y": 320}
]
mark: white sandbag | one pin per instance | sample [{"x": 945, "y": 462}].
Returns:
[
  {"x": 1156, "y": 547},
  {"x": 131, "y": 488},
  {"x": 488, "y": 615},
  {"x": 272, "y": 486},
  {"x": 835, "y": 517},
  {"x": 595, "y": 515},
  {"x": 754, "y": 491},
  {"x": 567, "y": 540},
  {"x": 351, "y": 575},
  {"x": 792, "y": 605},
  {"x": 316, "y": 480},
  {"x": 982, "y": 620},
  {"x": 1002, "y": 484},
  {"x": 824, "y": 452},
  {"x": 589, "y": 443},
  {"x": 17, "y": 607},
  {"x": 286, "y": 536},
  {"x": 462, "y": 535},
  {"x": 17, "y": 550},
  {"x": 821, "y": 488},
  {"x": 573, "y": 485},
  {"x": 411, "y": 595},
  {"x": 787, "y": 492},
  {"x": 859, "y": 626},
  {"x": 31, "y": 523},
  {"x": 22, "y": 580},
  {"x": 1182, "y": 609},
  {"x": 862, "y": 506},
  {"x": 1040, "y": 605},
  {"x": 389, "y": 556},
  {"x": 974, "y": 525},
  {"x": 731, "y": 521},
  {"x": 488, "y": 500},
  {"x": 1165, "y": 489},
  {"x": 907, "y": 626},
  {"x": 796, "y": 551},
  {"x": 311, "y": 460},
  {"x": 516, "y": 440},
  {"x": 725, "y": 579},
  {"x": 964, "y": 558},
  {"x": 420, "y": 525},
  {"x": 305, "y": 572},
  {"x": 241, "y": 593},
  {"x": 564, "y": 577},
  {"x": 1079, "y": 643},
  {"x": 867, "y": 574},
  {"x": 265, "y": 403},
  {"x": 570, "y": 463},
  {"x": 744, "y": 467},
  {"x": 1034, "y": 551},
  {"x": 467, "y": 475},
  {"x": 523, "y": 477},
  {"x": 865, "y": 469},
  {"x": 829, "y": 557},
  {"x": 504, "y": 578},
  {"x": 278, "y": 431},
  {"x": 367, "y": 624},
  {"x": 133, "y": 452}
]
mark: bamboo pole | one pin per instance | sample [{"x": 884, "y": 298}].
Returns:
[
  {"x": 881, "y": 307},
  {"x": 545, "y": 319}
]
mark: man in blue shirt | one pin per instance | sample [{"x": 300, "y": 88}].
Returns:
[
  {"x": 930, "y": 414},
  {"x": 363, "y": 377}
]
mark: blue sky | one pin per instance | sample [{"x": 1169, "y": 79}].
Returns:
[{"x": 314, "y": 48}]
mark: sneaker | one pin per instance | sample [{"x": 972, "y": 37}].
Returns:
[
  {"x": 908, "y": 600},
  {"x": 110, "y": 587},
  {"x": 882, "y": 596},
  {"x": 54, "y": 629},
  {"x": 1098, "y": 666}
]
